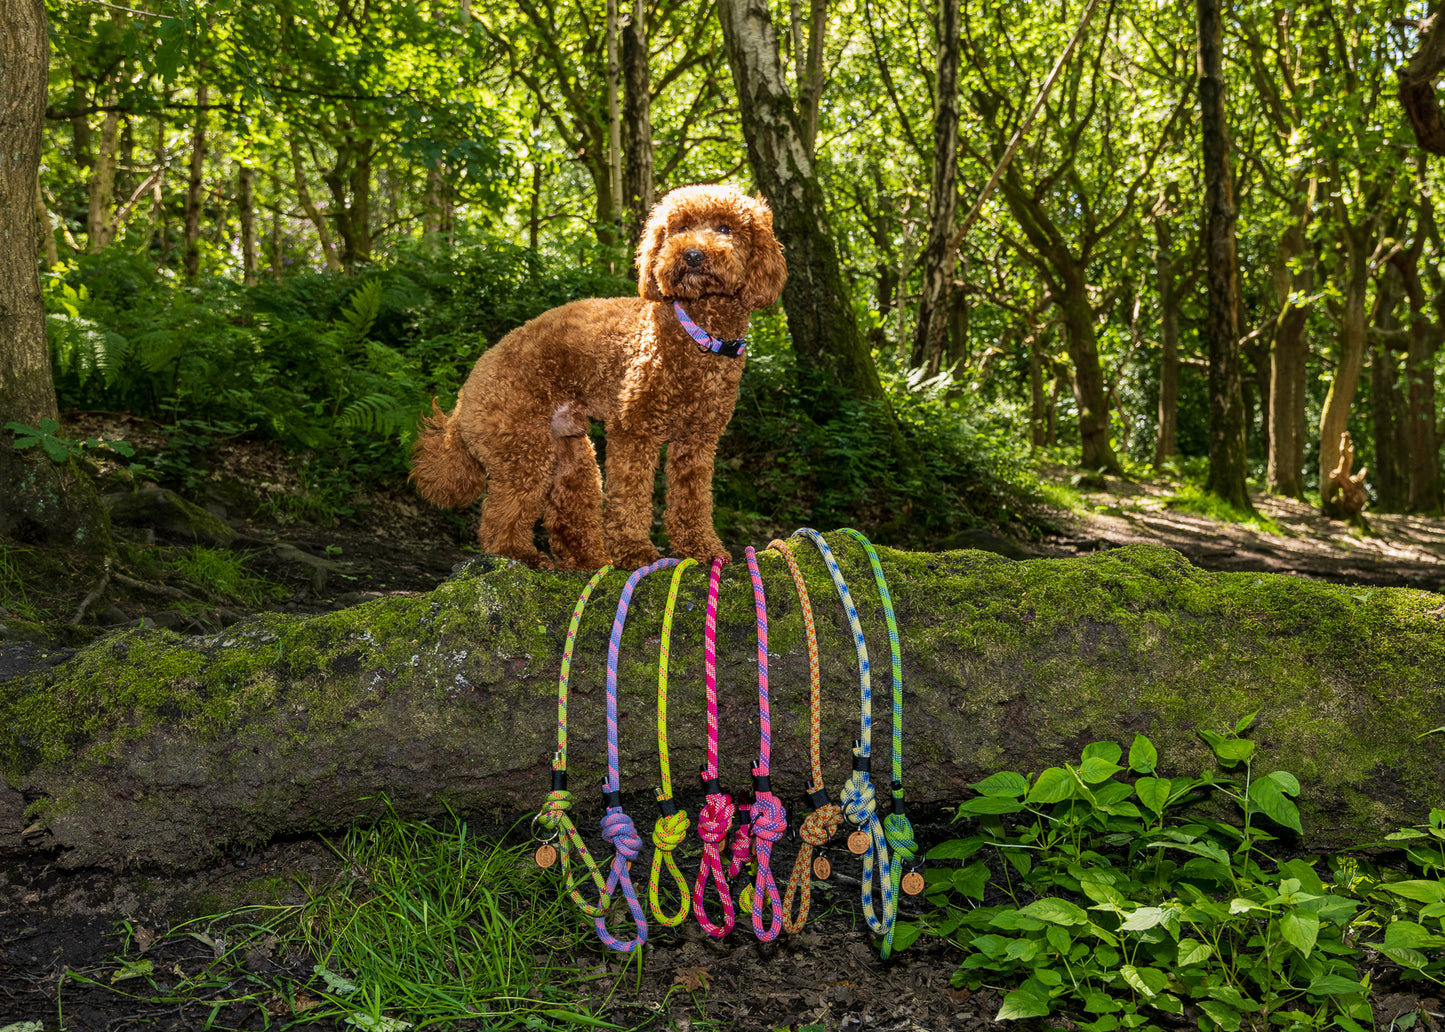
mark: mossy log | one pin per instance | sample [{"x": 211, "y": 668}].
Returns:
[{"x": 150, "y": 748}]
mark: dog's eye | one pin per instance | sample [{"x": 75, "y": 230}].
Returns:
[
  {"x": 684, "y": 229},
  {"x": 724, "y": 230}
]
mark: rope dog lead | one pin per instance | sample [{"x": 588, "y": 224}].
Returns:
[
  {"x": 768, "y": 819},
  {"x": 553, "y": 815},
  {"x": 671, "y": 826},
  {"x": 717, "y": 813},
  {"x": 859, "y": 802},
  {"x": 617, "y": 827},
  {"x": 896, "y": 827},
  {"x": 827, "y": 816}
]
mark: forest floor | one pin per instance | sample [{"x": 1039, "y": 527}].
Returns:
[{"x": 54, "y": 922}]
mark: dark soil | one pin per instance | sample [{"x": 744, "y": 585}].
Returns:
[{"x": 53, "y": 923}]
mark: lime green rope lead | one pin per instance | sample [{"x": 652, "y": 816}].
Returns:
[
  {"x": 671, "y": 828},
  {"x": 896, "y": 827},
  {"x": 553, "y": 815}
]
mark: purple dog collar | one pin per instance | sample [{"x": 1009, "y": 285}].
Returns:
[{"x": 706, "y": 341}]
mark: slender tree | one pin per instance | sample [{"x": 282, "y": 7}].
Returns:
[
  {"x": 1228, "y": 461},
  {"x": 639, "y": 191}
]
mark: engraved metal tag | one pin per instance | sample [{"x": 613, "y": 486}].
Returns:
[
  {"x": 858, "y": 842},
  {"x": 545, "y": 855},
  {"x": 821, "y": 868},
  {"x": 913, "y": 883}
]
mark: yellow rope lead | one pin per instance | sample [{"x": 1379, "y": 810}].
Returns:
[{"x": 671, "y": 828}]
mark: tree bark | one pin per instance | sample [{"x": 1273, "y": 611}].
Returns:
[
  {"x": 42, "y": 500},
  {"x": 1228, "y": 460},
  {"x": 100, "y": 188},
  {"x": 303, "y": 194},
  {"x": 1422, "y": 472},
  {"x": 1166, "y": 441},
  {"x": 194, "y": 184},
  {"x": 149, "y": 748},
  {"x": 639, "y": 193},
  {"x": 47, "y": 228},
  {"x": 820, "y": 315},
  {"x": 1387, "y": 401},
  {"x": 614, "y": 109},
  {"x": 930, "y": 339},
  {"x": 1287, "y": 428},
  {"x": 1335, "y": 413},
  {"x": 246, "y": 203},
  {"x": 1417, "y": 84}
]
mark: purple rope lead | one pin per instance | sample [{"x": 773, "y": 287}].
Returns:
[
  {"x": 706, "y": 341},
  {"x": 768, "y": 818},
  {"x": 617, "y": 827}
]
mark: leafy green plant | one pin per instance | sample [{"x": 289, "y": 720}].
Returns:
[
  {"x": 224, "y": 573},
  {"x": 62, "y": 449},
  {"x": 1107, "y": 902}
]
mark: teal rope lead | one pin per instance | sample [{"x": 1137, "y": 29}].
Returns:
[{"x": 896, "y": 827}]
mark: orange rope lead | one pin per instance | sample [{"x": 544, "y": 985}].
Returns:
[{"x": 827, "y": 817}]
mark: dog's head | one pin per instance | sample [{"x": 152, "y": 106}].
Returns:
[{"x": 710, "y": 240}]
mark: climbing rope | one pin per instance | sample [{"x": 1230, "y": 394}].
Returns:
[
  {"x": 553, "y": 815},
  {"x": 671, "y": 826},
  {"x": 767, "y": 818},
  {"x": 827, "y": 816},
  {"x": 896, "y": 827},
  {"x": 859, "y": 803},
  {"x": 617, "y": 827},
  {"x": 717, "y": 812}
]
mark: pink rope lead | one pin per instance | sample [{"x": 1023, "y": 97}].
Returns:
[
  {"x": 769, "y": 820},
  {"x": 717, "y": 813},
  {"x": 617, "y": 827}
]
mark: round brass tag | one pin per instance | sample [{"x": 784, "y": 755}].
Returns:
[
  {"x": 545, "y": 856},
  {"x": 821, "y": 868},
  {"x": 913, "y": 883},
  {"x": 858, "y": 842}
]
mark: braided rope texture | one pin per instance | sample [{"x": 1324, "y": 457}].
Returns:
[
  {"x": 553, "y": 815},
  {"x": 717, "y": 813},
  {"x": 671, "y": 829},
  {"x": 617, "y": 827}
]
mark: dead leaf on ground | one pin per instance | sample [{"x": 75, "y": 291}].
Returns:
[
  {"x": 691, "y": 978},
  {"x": 143, "y": 938}
]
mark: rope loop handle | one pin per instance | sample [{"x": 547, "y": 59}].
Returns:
[
  {"x": 858, "y": 799},
  {"x": 827, "y": 816},
  {"x": 553, "y": 817},
  {"x": 671, "y": 827},
  {"x": 897, "y": 829},
  {"x": 716, "y": 818},
  {"x": 767, "y": 818},
  {"x": 617, "y": 827}
]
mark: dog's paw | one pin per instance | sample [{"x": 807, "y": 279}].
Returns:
[
  {"x": 703, "y": 551},
  {"x": 634, "y": 556}
]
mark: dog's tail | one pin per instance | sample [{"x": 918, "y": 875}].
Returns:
[{"x": 443, "y": 469}]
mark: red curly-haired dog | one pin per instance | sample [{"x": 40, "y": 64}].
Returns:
[{"x": 660, "y": 368}]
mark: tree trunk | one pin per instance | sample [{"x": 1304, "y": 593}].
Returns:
[
  {"x": 1286, "y": 455},
  {"x": 1335, "y": 414},
  {"x": 639, "y": 193},
  {"x": 47, "y": 228},
  {"x": 931, "y": 331},
  {"x": 1228, "y": 460},
  {"x": 100, "y": 188},
  {"x": 246, "y": 203},
  {"x": 1166, "y": 441},
  {"x": 43, "y": 499},
  {"x": 1417, "y": 85},
  {"x": 1420, "y": 432},
  {"x": 303, "y": 194},
  {"x": 149, "y": 748},
  {"x": 1390, "y": 469},
  {"x": 820, "y": 315},
  {"x": 1089, "y": 393},
  {"x": 614, "y": 111},
  {"x": 194, "y": 184}
]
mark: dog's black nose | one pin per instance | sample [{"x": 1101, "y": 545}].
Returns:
[{"x": 693, "y": 257}]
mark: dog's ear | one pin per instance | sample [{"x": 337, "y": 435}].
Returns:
[
  {"x": 767, "y": 272},
  {"x": 653, "y": 236}
]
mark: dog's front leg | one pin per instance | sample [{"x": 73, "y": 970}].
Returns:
[
  {"x": 689, "y": 500},
  {"x": 627, "y": 517}
]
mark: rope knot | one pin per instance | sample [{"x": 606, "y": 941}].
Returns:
[
  {"x": 820, "y": 825},
  {"x": 668, "y": 832},
  {"x": 555, "y": 809},
  {"x": 860, "y": 804},
  {"x": 769, "y": 819},
  {"x": 618, "y": 829},
  {"x": 716, "y": 819},
  {"x": 899, "y": 833}
]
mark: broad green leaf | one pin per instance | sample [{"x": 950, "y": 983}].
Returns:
[
  {"x": 1023, "y": 950},
  {"x": 1143, "y": 757},
  {"x": 1223, "y": 1015},
  {"x": 1103, "y": 1023},
  {"x": 1412, "y": 935},
  {"x": 1205, "y": 849},
  {"x": 1229, "y": 750},
  {"x": 1192, "y": 951},
  {"x": 970, "y": 880},
  {"x": 1016, "y": 921},
  {"x": 1309, "y": 879},
  {"x": 1405, "y": 956},
  {"x": 1004, "y": 783},
  {"x": 1109, "y": 752},
  {"x": 1095, "y": 769},
  {"x": 1056, "y": 911},
  {"x": 905, "y": 934},
  {"x": 1419, "y": 890},
  {"x": 132, "y": 969},
  {"x": 1099, "y": 1003},
  {"x": 1054, "y": 785},
  {"x": 1300, "y": 928},
  {"x": 1287, "y": 782},
  {"x": 1153, "y": 793},
  {"x": 1334, "y": 985},
  {"x": 1143, "y": 919},
  {"x": 1030, "y": 1000},
  {"x": 956, "y": 849},
  {"x": 1145, "y": 981},
  {"x": 1059, "y": 940},
  {"x": 987, "y": 804},
  {"x": 1272, "y": 802},
  {"x": 1244, "y": 722}
]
